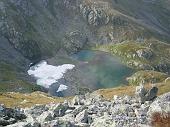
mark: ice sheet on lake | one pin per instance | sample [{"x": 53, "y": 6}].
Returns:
[
  {"x": 61, "y": 88},
  {"x": 47, "y": 74}
]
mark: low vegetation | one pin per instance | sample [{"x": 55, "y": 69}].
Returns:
[
  {"x": 146, "y": 77},
  {"x": 158, "y": 120},
  {"x": 141, "y": 54},
  {"x": 12, "y": 99},
  {"x": 11, "y": 80},
  {"x": 163, "y": 87}
]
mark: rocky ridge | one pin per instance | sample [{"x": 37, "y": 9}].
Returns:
[{"x": 92, "y": 110}]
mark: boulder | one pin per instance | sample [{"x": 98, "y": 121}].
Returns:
[
  {"x": 104, "y": 121},
  {"x": 59, "y": 110},
  {"x": 78, "y": 100},
  {"x": 161, "y": 105},
  {"x": 82, "y": 117},
  {"x": 10, "y": 116},
  {"x": 79, "y": 109},
  {"x": 57, "y": 123},
  {"x": 1, "y": 110},
  {"x": 145, "y": 95},
  {"x": 159, "y": 111},
  {"x": 167, "y": 80},
  {"x": 45, "y": 116},
  {"x": 152, "y": 94},
  {"x": 35, "y": 124},
  {"x": 140, "y": 93},
  {"x": 37, "y": 110}
]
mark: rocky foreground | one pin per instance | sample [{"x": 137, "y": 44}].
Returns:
[{"x": 92, "y": 110}]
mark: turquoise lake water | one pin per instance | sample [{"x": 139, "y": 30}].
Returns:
[{"x": 101, "y": 69}]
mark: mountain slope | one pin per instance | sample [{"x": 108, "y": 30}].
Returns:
[
  {"x": 41, "y": 28},
  {"x": 153, "y": 14}
]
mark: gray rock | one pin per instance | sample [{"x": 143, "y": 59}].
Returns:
[
  {"x": 161, "y": 106},
  {"x": 37, "y": 110},
  {"x": 45, "y": 116},
  {"x": 104, "y": 121},
  {"x": 82, "y": 117},
  {"x": 140, "y": 93},
  {"x": 36, "y": 124},
  {"x": 78, "y": 100},
  {"x": 79, "y": 109},
  {"x": 152, "y": 94},
  {"x": 145, "y": 53},
  {"x": 10, "y": 116},
  {"x": 167, "y": 80},
  {"x": 97, "y": 17},
  {"x": 1, "y": 110},
  {"x": 59, "y": 110},
  {"x": 92, "y": 18},
  {"x": 58, "y": 123}
]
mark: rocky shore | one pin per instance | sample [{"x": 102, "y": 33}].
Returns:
[{"x": 92, "y": 110}]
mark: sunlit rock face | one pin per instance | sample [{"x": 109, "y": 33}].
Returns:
[{"x": 46, "y": 74}]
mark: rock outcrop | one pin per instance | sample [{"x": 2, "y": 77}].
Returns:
[{"x": 145, "y": 95}]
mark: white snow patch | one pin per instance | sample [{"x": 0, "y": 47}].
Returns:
[
  {"x": 62, "y": 88},
  {"x": 47, "y": 74}
]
